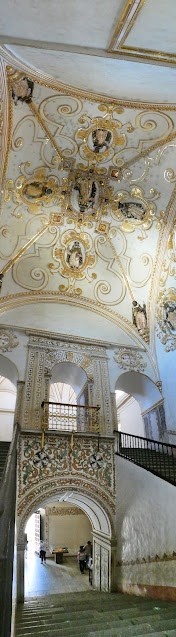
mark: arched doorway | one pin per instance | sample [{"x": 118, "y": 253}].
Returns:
[
  {"x": 102, "y": 534},
  {"x": 8, "y": 394}
]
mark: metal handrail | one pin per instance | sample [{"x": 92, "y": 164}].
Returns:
[
  {"x": 7, "y": 526},
  {"x": 123, "y": 433},
  {"x": 155, "y": 456}
]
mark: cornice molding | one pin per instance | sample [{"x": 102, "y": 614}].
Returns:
[{"x": 42, "y": 78}]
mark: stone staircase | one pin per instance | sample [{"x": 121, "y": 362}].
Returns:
[
  {"x": 95, "y": 614},
  {"x": 4, "y": 447}
]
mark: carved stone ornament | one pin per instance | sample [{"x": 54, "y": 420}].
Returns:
[
  {"x": 74, "y": 259},
  {"x": 129, "y": 360},
  {"x": 166, "y": 316},
  {"x": 8, "y": 340}
]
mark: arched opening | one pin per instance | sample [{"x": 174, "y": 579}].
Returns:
[
  {"x": 92, "y": 524},
  {"x": 8, "y": 392},
  {"x": 7, "y": 408},
  {"x": 62, "y": 527},
  {"x": 140, "y": 408},
  {"x": 68, "y": 389}
]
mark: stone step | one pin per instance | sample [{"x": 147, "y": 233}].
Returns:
[
  {"x": 121, "y": 631},
  {"x": 119, "y": 612},
  {"x": 104, "y": 615},
  {"x": 123, "y": 627}
]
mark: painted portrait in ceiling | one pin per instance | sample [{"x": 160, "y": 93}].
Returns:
[
  {"x": 132, "y": 209},
  {"x": 75, "y": 256},
  {"x": 101, "y": 140},
  {"x": 84, "y": 194}
]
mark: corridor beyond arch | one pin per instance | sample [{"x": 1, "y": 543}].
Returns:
[{"x": 102, "y": 532}]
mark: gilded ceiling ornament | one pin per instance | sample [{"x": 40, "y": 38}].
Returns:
[
  {"x": 99, "y": 137},
  {"x": 134, "y": 209},
  {"x": 85, "y": 194},
  {"x": 129, "y": 359},
  {"x": 74, "y": 258},
  {"x": 21, "y": 86},
  {"x": 166, "y": 317},
  {"x": 140, "y": 319},
  {"x": 35, "y": 191},
  {"x": 8, "y": 340}
]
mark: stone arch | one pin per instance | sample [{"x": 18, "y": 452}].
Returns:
[
  {"x": 69, "y": 372},
  {"x": 140, "y": 386},
  {"x": 100, "y": 513},
  {"x": 8, "y": 369},
  {"x": 148, "y": 413}
]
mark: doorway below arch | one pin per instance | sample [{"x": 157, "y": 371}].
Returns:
[
  {"x": 95, "y": 526},
  {"x": 60, "y": 525}
]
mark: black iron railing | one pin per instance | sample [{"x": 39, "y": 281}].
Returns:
[
  {"x": 153, "y": 455},
  {"x": 7, "y": 526}
]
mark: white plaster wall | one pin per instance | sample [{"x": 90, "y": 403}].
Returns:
[
  {"x": 145, "y": 514},
  {"x": 69, "y": 530},
  {"x": 130, "y": 417}
]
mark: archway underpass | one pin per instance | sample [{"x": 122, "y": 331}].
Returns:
[{"x": 55, "y": 578}]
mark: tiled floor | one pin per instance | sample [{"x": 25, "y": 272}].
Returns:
[{"x": 53, "y": 578}]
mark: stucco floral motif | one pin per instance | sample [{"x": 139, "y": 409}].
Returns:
[
  {"x": 166, "y": 315},
  {"x": 8, "y": 340},
  {"x": 129, "y": 359}
]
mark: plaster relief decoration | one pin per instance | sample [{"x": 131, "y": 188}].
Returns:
[
  {"x": 64, "y": 511},
  {"x": 100, "y": 136},
  {"x": 85, "y": 193},
  {"x": 140, "y": 319},
  {"x": 74, "y": 259},
  {"x": 22, "y": 88},
  {"x": 134, "y": 209},
  {"x": 35, "y": 191},
  {"x": 166, "y": 316},
  {"x": 129, "y": 360},
  {"x": 8, "y": 340}
]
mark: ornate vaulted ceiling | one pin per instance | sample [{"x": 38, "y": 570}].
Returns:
[{"x": 87, "y": 201}]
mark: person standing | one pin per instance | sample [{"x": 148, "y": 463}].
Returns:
[
  {"x": 81, "y": 559},
  {"x": 43, "y": 551},
  {"x": 88, "y": 551}
]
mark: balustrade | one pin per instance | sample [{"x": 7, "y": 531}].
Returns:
[{"x": 68, "y": 417}]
